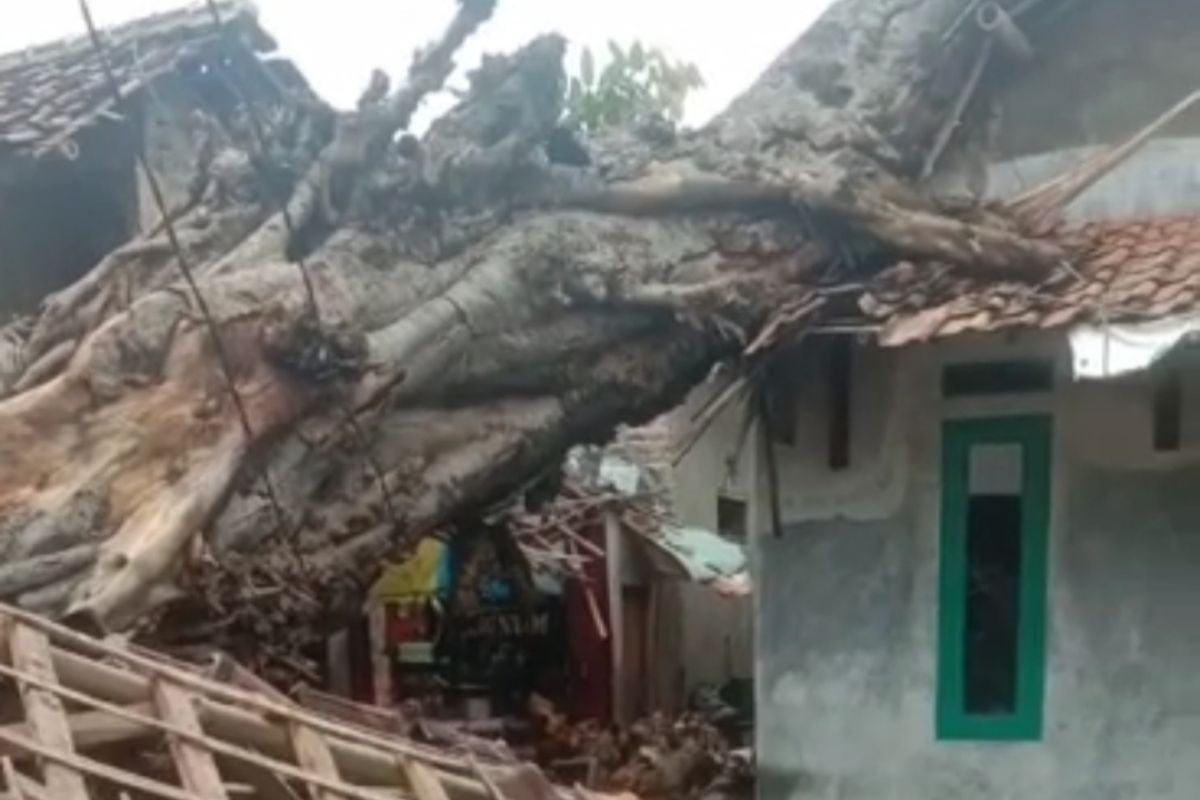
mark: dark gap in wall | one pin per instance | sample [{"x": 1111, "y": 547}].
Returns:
[
  {"x": 993, "y": 603},
  {"x": 62, "y": 217},
  {"x": 1168, "y": 412},
  {"x": 781, "y": 400},
  {"x": 840, "y": 365},
  {"x": 997, "y": 377},
  {"x": 731, "y": 518}
]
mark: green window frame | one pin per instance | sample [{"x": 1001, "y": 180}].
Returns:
[{"x": 1024, "y": 723}]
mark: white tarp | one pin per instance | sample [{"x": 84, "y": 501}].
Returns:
[{"x": 1108, "y": 351}]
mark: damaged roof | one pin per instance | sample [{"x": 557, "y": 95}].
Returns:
[
  {"x": 1122, "y": 271},
  {"x": 97, "y": 718},
  {"x": 51, "y": 92}
]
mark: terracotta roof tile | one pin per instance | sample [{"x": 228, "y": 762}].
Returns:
[
  {"x": 50, "y": 92},
  {"x": 1121, "y": 271}
]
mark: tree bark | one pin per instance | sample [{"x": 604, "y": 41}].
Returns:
[{"x": 478, "y": 311}]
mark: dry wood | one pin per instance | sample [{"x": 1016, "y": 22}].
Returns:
[
  {"x": 224, "y": 668},
  {"x": 313, "y": 754},
  {"x": 30, "y": 652},
  {"x": 91, "y": 729},
  {"x": 422, "y": 781},
  {"x": 230, "y": 723},
  {"x": 213, "y": 691},
  {"x": 181, "y": 734},
  {"x": 197, "y": 767},
  {"x": 493, "y": 791},
  {"x": 374, "y": 760},
  {"x": 78, "y": 764},
  {"x": 22, "y": 787}
]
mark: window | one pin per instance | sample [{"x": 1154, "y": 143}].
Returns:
[
  {"x": 731, "y": 518},
  {"x": 992, "y": 603},
  {"x": 840, "y": 367},
  {"x": 997, "y": 377},
  {"x": 781, "y": 402}
]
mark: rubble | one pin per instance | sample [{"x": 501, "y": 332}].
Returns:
[
  {"x": 90, "y": 718},
  {"x": 688, "y": 757}
]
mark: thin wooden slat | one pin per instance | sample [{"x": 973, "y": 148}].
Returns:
[
  {"x": 489, "y": 785},
  {"x": 312, "y": 753},
  {"x": 423, "y": 781},
  {"x": 224, "y": 669},
  {"x": 250, "y": 728},
  {"x": 78, "y": 764},
  {"x": 30, "y": 651},
  {"x": 215, "y": 745},
  {"x": 94, "y": 729},
  {"x": 369, "y": 753},
  {"x": 197, "y": 768},
  {"x": 19, "y": 787},
  {"x": 230, "y": 694}
]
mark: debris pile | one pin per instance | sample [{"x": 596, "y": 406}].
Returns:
[
  {"x": 688, "y": 757},
  {"x": 90, "y": 718}
]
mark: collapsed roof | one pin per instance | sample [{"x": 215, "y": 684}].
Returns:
[
  {"x": 52, "y": 92},
  {"x": 98, "y": 718},
  {"x": 1123, "y": 271}
]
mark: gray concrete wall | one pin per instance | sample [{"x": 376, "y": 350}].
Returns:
[
  {"x": 59, "y": 217},
  {"x": 847, "y": 609},
  {"x": 1116, "y": 65}
]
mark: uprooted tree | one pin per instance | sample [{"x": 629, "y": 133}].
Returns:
[{"x": 476, "y": 308}]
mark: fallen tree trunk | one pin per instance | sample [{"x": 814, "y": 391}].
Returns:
[{"x": 430, "y": 324}]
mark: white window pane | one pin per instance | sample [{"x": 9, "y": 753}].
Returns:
[{"x": 995, "y": 469}]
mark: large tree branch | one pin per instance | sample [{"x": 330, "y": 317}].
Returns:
[
  {"x": 482, "y": 310},
  {"x": 362, "y": 135}
]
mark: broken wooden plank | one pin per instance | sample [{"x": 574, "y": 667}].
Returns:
[
  {"x": 313, "y": 754},
  {"x": 30, "y": 650},
  {"x": 216, "y": 745},
  {"x": 197, "y": 768},
  {"x": 224, "y": 668},
  {"x": 78, "y": 764},
  {"x": 423, "y": 781},
  {"x": 91, "y": 729},
  {"x": 19, "y": 786}
]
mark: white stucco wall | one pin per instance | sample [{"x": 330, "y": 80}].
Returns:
[
  {"x": 847, "y": 604},
  {"x": 710, "y": 638}
]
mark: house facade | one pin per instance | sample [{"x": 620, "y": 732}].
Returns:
[
  {"x": 982, "y": 583},
  {"x": 70, "y": 189},
  {"x": 995, "y": 596}
]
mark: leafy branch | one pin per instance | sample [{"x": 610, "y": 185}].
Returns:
[{"x": 635, "y": 85}]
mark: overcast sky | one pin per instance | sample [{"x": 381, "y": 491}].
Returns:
[{"x": 338, "y": 42}]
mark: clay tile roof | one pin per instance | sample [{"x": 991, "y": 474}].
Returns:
[
  {"x": 1121, "y": 271},
  {"x": 50, "y": 92}
]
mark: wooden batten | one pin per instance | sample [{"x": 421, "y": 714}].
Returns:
[{"x": 84, "y": 699}]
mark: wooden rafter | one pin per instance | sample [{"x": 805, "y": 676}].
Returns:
[{"x": 82, "y": 696}]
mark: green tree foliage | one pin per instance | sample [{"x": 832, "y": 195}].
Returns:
[{"x": 636, "y": 84}]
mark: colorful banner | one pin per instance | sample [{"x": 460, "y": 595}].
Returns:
[{"x": 426, "y": 573}]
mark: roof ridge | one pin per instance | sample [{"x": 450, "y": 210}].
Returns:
[{"x": 192, "y": 14}]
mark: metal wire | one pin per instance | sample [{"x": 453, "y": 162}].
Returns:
[
  {"x": 259, "y": 132},
  {"x": 260, "y": 136},
  {"x": 189, "y": 278}
]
